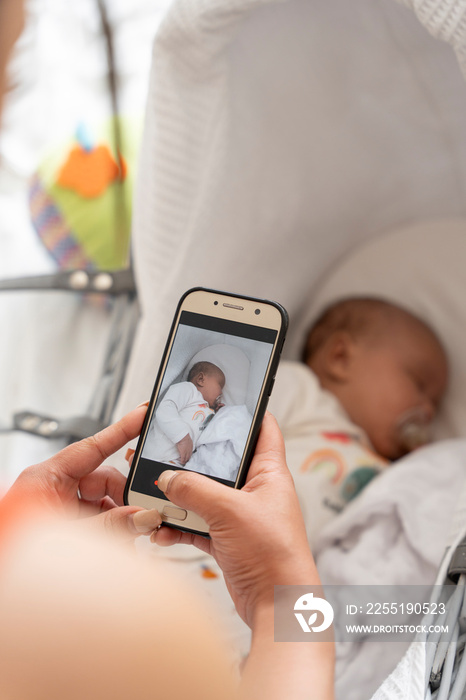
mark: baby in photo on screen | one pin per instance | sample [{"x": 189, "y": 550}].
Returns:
[{"x": 184, "y": 412}]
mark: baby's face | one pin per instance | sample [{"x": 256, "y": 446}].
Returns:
[
  {"x": 211, "y": 388},
  {"x": 396, "y": 379}
]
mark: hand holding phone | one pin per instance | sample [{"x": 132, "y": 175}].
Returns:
[
  {"x": 209, "y": 398},
  {"x": 258, "y": 536}
]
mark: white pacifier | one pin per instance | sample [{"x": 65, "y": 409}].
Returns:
[{"x": 413, "y": 429}]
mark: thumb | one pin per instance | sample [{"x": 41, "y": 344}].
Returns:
[
  {"x": 269, "y": 454},
  {"x": 212, "y": 500},
  {"x": 128, "y": 522},
  {"x": 199, "y": 493},
  {"x": 268, "y": 467}
]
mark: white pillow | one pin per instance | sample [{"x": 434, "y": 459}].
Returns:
[{"x": 421, "y": 267}]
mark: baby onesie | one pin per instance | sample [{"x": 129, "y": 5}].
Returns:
[
  {"x": 182, "y": 411},
  {"x": 330, "y": 458}
]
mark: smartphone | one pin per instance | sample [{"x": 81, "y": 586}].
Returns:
[{"x": 209, "y": 398}]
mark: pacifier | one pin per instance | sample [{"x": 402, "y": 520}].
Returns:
[
  {"x": 413, "y": 429},
  {"x": 218, "y": 403}
]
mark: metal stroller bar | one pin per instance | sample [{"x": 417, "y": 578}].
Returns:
[
  {"x": 446, "y": 655},
  {"x": 99, "y": 282},
  {"x": 119, "y": 284}
]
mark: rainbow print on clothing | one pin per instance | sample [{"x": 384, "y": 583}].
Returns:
[
  {"x": 326, "y": 459},
  {"x": 199, "y": 416}
]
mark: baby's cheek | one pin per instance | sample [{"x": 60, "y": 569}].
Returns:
[{"x": 383, "y": 437}]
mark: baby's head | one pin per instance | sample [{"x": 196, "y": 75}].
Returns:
[
  {"x": 209, "y": 379},
  {"x": 386, "y": 367}
]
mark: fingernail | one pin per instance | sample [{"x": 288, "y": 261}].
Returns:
[
  {"x": 153, "y": 537},
  {"x": 165, "y": 478},
  {"x": 146, "y": 521},
  {"x": 129, "y": 454},
  {"x": 144, "y": 403}
]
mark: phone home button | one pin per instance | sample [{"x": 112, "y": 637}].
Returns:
[{"x": 174, "y": 512}]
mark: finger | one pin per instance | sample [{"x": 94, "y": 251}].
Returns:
[
  {"x": 198, "y": 493},
  {"x": 270, "y": 440},
  {"x": 104, "y": 481},
  {"x": 215, "y": 502},
  {"x": 269, "y": 454},
  {"x": 88, "y": 508},
  {"x": 83, "y": 457},
  {"x": 129, "y": 522},
  {"x": 168, "y": 536}
]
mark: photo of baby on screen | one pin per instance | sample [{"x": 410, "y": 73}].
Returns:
[
  {"x": 187, "y": 405},
  {"x": 204, "y": 412}
]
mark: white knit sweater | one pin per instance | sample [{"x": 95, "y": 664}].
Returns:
[{"x": 445, "y": 20}]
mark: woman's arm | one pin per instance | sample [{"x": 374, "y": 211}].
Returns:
[
  {"x": 292, "y": 670},
  {"x": 258, "y": 539}
]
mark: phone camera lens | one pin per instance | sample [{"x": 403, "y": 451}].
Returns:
[
  {"x": 257, "y": 312},
  {"x": 215, "y": 302}
]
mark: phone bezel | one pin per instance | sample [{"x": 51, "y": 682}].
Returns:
[{"x": 211, "y": 302}]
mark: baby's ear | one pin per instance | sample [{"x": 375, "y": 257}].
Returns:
[
  {"x": 200, "y": 379},
  {"x": 337, "y": 356}
]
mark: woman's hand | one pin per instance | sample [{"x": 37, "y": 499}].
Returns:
[
  {"x": 73, "y": 482},
  {"x": 257, "y": 533},
  {"x": 257, "y": 537}
]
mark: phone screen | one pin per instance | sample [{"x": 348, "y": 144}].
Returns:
[{"x": 207, "y": 400}]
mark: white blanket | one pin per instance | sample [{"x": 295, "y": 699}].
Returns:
[
  {"x": 394, "y": 533},
  {"x": 221, "y": 445}
]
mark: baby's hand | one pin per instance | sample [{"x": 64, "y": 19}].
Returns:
[
  {"x": 218, "y": 403},
  {"x": 185, "y": 448}
]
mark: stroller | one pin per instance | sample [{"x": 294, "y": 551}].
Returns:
[{"x": 301, "y": 151}]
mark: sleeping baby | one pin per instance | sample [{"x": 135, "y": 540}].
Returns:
[
  {"x": 372, "y": 379},
  {"x": 184, "y": 412}
]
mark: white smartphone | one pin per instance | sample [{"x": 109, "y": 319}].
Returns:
[{"x": 209, "y": 398}]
